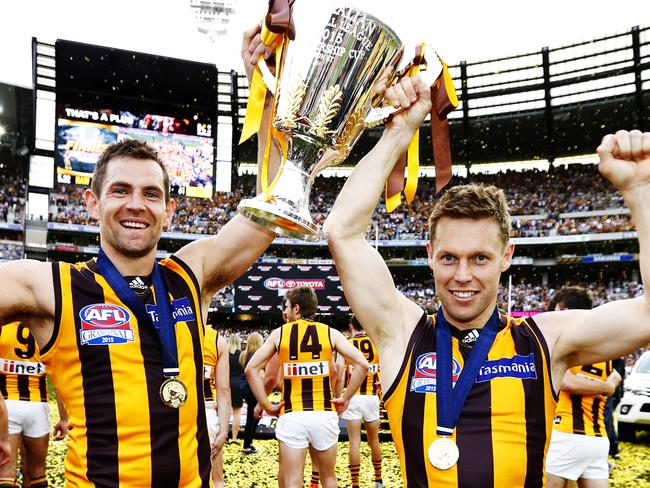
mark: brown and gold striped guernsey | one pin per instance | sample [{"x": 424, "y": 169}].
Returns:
[
  {"x": 504, "y": 429},
  {"x": 210, "y": 358},
  {"x": 305, "y": 354},
  {"x": 107, "y": 369},
  {"x": 22, "y": 375},
  {"x": 368, "y": 349},
  {"x": 583, "y": 414}
]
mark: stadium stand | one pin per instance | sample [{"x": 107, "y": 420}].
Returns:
[
  {"x": 565, "y": 201},
  {"x": 569, "y": 224}
]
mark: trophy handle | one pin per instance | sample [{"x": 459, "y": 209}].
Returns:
[{"x": 430, "y": 70}]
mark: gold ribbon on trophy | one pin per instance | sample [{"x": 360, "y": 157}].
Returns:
[
  {"x": 444, "y": 100},
  {"x": 277, "y": 29},
  {"x": 395, "y": 183},
  {"x": 321, "y": 106}
]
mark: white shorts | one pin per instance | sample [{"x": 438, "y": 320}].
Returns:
[
  {"x": 299, "y": 430},
  {"x": 363, "y": 407},
  {"x": 212, "y": 420},
  {"x": 574, "y": 456},
  {"x": 31, "y": 419}
]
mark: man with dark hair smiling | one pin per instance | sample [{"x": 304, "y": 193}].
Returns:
[{"x": 122, "y": 335}]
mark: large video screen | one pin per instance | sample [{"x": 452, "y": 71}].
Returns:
[
  {"x": 260, "y": 290},
  {"x": 186, "y": 146}
]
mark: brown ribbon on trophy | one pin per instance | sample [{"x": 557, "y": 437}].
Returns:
[
  {"x": 444, "y": 100},
  {"x": 320, "y": 108},
  {"x": 277, "y": 28},
  {"x": 279, "y": 19}
]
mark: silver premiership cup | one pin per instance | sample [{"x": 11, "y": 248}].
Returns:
[{"x": 321, "y": 115}]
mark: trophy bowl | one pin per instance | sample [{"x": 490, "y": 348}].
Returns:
[{"x": 320, "y": 115}]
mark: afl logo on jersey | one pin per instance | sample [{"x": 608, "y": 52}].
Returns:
[
  {"x": 425, "y": 366},
  {"x": 424, "y": 378},
  {"x": 105, "y": 323}
]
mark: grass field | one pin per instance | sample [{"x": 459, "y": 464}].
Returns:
[{"x": 260, "y": 470}]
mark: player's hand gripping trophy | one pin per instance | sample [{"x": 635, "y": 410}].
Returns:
[{"x": 324, "y": 98}]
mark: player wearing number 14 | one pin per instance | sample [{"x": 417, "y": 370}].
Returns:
[{"x": 308, "y": 412}]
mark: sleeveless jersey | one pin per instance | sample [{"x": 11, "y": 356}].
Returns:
[
  {"x": 305, "y": 353},
  {"x": 504, "y": 429},
  {"x": 371, "y": 381},
  {"x": 22, "y": 375},
  {"x": 107, "y": 368},
  {"x": 210, "y": 358},
  {"x": 583, "y": 414}
]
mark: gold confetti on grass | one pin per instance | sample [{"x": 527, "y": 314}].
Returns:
[{"x": 260, "y": 470}]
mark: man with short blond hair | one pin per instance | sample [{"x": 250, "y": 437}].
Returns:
[{"x": 471, "y": 393}]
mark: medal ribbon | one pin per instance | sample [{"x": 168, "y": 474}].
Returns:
[
  {"x": 451, "y": 399},
  {"x": 164, "y": 325}
]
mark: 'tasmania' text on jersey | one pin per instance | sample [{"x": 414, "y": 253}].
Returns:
[
  {"x": 504, "y": 428},
  {"x": 305, "y": 354},
  {"x": 107, "y": 368}
]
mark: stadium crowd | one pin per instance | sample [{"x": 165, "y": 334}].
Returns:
[
  {"x": 10, "y": 250},
  {"x": 526, "y": 297},
  {"x": 542, "y": 204},
  {"x": 12, "y": 197},
  {"x": 537, "y": 199}
]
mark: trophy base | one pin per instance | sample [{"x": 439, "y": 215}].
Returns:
[{"x": 286, "y": 224}]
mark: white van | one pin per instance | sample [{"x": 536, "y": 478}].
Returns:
[{"x": 634, "y": 409}]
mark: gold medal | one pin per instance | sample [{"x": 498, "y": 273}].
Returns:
[
  {"x": 443, "y": 453},
  {"x": 173, "y": 392}
]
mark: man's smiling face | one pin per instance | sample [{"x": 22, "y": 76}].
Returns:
[{"x": 131, "y": 208}]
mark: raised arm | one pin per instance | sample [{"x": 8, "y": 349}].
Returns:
[
  {"x": 252, "y": 50},
  {"x": 28, "y": 296},
  {"x": 385, "y": 314},
  {"x": 219, "y": 260},
  {"x": 615, "y": 328}
]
